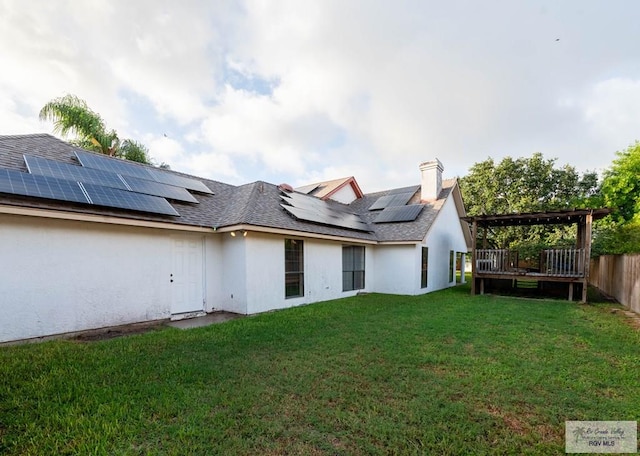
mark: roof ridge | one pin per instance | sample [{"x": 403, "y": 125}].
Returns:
[
  {"x": 416, "y": 186},
  {"x": 242, "y": 202},
  {"x": 29, "y": 135},
  {"x": 327, "y": 181},
  {"x": 249, "y": 205}
]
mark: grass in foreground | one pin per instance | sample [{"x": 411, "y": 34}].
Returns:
[{"x": 444, "y": 373}]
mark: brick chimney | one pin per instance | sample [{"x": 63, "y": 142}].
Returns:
[{"x": 431, "y": 179}]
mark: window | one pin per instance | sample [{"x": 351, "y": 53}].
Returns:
[
  {"x": 425, "y": 263},
  {"x": 293, "y": 268},
  {"x": 352, "y": 267},
  {"x": 452, "y": 264}
]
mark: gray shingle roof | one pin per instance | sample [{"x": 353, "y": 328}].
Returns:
[{"x": 255, "y": 204}]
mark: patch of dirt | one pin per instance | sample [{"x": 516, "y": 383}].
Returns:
[
  {"x": 119, "y": 331},
  {"x": 631, "y": 318},
  {"x": 512, "y": 421}
]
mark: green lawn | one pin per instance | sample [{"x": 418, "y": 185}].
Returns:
[{"x": 444, "y": 373}]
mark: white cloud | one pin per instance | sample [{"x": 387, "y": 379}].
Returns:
[
  {"x": 303, "y": 89},
  {"x": 612, "y": 108},
  {"x": 204, "y": 164}
]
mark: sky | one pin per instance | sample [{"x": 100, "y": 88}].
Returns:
[{"x": 301, "y": 91}]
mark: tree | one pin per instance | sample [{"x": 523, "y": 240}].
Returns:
[
  {"x": 72, "y": 115},
  {"x": 134, "y": 151},
  {"x": 526, "y": 185},
  {"x": 621, "y": 185},
  {"x": 620, "y": 232},
  {"x": 615, "y": 238}
]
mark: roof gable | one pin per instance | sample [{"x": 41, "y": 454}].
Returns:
[{"x": 330, "y": 189}]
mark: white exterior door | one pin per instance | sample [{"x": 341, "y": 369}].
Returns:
[{"x": 187, "y": 285}]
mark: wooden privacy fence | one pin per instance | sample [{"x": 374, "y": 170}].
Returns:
[{"x": 619, "y": 277}]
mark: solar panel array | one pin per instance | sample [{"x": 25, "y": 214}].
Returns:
[
  {"x": 23, "y": 184},
  {"x": 399, "y": 214},
  {"x": 18, "y": 183},
  {"x": 124, "y": 168},
  {"x": 53, "y": 168},
  {"x": 101, "y": 181},
  {"x": 312, "y": 209},
  {"x": 391, "y": 200}
]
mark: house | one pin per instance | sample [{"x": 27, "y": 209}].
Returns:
[{"x": 90, "y": 241}]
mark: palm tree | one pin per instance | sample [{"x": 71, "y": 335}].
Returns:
[{"x": 71, "y": 115}]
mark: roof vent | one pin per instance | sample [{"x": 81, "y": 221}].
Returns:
[{"x": 286, "y": 188}]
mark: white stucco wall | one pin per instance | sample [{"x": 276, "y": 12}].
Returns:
[
  {"x": 263, "y": 263},
  {"x": 233, "y": 268},
  {"x": 445, "y": 235},
  {"x": 61, "y": 276},
  {"x": 395, "y": 269},
  {"x": 398, "y": 267},
  {"x": 213, "y": 272}
]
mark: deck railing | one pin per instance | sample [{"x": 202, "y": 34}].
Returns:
[
  {"x": 553, "y": 262},
  {"x": 495, "y": 260},
  {"x": 563, "y": 262}
]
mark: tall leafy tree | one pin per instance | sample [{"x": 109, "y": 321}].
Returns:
[
  {"x": 72, "y": 115},
  {"x": 621, "y": 185},
  {"x": 526, "y": 185},
  {"x": 620, "y": 233}
]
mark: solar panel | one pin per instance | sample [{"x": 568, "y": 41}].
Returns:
[
  {"x": 315, "y": 210},
  {"x": 399, "y": 214},
  {"x": 397, "y": 199},
  {"x": 178, "y": 181},
  {"x": 307, "y": 188},
  {"x": 413, "y": 189},
  {"x": 381, "y": 203},
  {"x": 157, "y": 189},
  {"x": 126, "y": 168},
  {"x": 53, "y": 168},
  {"x": 307, "y": 201},
  {"x": 312, "y": 216},
  {"x": 24, "y": 184},
  {"x": 114, "y": 197},
  {"x": 113, "y": 165}
]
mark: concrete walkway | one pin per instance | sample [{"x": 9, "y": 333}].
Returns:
[{"x": 205, "y": 320}]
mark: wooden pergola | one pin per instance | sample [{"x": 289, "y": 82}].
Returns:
[{"x": 556, "y": 265}]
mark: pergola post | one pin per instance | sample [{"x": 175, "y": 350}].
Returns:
[
  {"x": 588, "y": 221},
  {"x": 474, "y": 236}
]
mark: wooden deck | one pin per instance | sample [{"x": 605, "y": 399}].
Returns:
[{"x": 567, "y": 265}]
